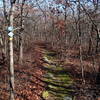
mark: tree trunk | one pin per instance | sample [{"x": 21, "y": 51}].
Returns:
[
  {"x": 80, "y": 42},
  {"x": 21, "y": 35},
  {"x": 21, "y": 49},
  {"x": 11, "y": 69}
]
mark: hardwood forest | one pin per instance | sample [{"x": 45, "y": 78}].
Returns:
[{"x": 49, "y": 49}]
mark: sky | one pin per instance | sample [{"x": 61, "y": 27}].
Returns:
[
  {"x": 47, "y": 2},
  {"x": 1, "y": 3}
]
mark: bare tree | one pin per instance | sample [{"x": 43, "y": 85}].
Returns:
[
  {"x": 11, "y": 51},
  {"x": 21, "y": 33}
]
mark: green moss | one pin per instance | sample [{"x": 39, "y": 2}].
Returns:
[
  {"x": 57, "y": 78},
  {"x": 53, "y": 67},
  {"x": 59, "y": 96},
  {"x": 50, "y": 59},
  {"x": 58, "y": 82},
  {"x": 45, "y": 94}
]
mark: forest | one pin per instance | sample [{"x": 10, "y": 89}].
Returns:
[{"x": 49, "y": 49}]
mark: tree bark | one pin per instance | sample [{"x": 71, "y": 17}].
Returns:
[
  {"x": 11, "y": 69},
  {"x": 21, "y": 35},
  {"x": 80, "y": 41}
]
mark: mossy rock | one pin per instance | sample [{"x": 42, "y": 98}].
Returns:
[
  {"x": 57, "y": 82},
  {"x": 59, "y": 96},
  {"x": 45, "y": 94},
  {"x": 53, "y": 67},
  {"x": 56, "y": 78},
  {"x": 49, "y": 59},
  {"x": 56, "y": 88}
]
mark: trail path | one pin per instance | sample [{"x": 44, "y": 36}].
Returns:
[{"x": 29, "y": 82}]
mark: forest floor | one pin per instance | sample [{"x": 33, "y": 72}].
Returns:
[{"x": 28, "y": 77}]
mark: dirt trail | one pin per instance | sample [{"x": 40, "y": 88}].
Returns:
[
  {"x": 28, "y": 77},
  {"x": 28, "y": 84}
]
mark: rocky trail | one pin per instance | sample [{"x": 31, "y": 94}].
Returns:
[{"x": 41, "y": 77}]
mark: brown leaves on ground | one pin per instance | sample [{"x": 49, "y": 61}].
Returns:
[{"x": 28, "y": 84}]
